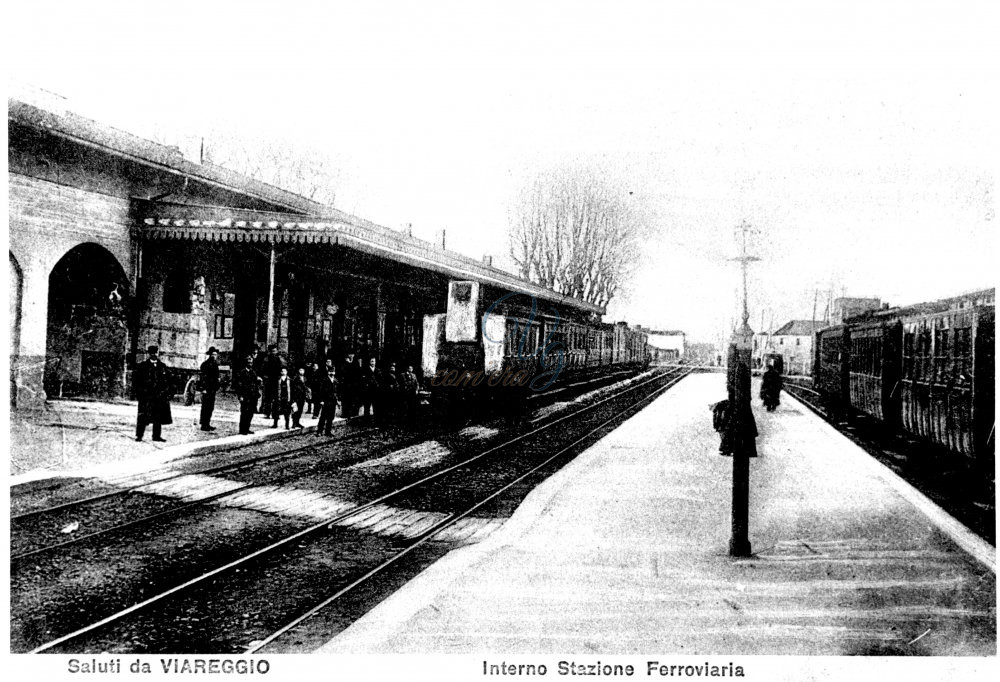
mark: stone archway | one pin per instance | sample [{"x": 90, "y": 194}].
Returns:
[{"x": 87, "y": 339}]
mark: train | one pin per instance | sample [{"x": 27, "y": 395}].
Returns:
[
  {"x": 494, "y": 353},
  {"x": 926, "y": 369}
]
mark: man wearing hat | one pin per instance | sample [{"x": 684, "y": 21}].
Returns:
[
  {"x": 209, "y": 387},
  {"x": 152, "y": 388}
]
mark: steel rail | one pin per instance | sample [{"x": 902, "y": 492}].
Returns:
[
  {"x": 210, "y": 470},
  {"x": 332, "y": 521},
  {"x": 449, "y": 521}
]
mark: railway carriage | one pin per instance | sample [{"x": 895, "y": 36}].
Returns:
[
  {"x": 873, "y": 369},
  {"x": 832, "y": 346},
  {"x": 947, "y": 378},
  {"x": 926, "y": 369},
  {"x": 474, "y": 342}
]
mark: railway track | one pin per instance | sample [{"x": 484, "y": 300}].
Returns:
[
  {"x": 944, "y": 477},
  {"x": 39, "y": 527},
  {"x": 449, "y": 513}
]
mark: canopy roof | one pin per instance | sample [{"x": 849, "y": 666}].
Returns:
[{"x": 213, "y": 224}]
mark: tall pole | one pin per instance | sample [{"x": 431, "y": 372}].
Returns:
[
  {"x": 272, "y": 337},
  {"x": 741, "y": 429}
]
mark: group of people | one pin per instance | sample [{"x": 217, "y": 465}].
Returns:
[{"x": 264, "y": 385}]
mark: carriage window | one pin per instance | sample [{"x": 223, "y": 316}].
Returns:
[
  {"x": 963, "y": 352},
  {"x": 908, "y": 355},
  {"x": 924, "y": 366},
  {"x": 941, "y": 355}
]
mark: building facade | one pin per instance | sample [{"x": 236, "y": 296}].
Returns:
[
  {"x": 792, "y": 342},
  {"x": 117, "y": 243}
]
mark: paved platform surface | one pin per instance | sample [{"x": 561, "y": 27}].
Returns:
[
  {"x": 73, "y": 437},
  {"x": 625, "y": 551}
]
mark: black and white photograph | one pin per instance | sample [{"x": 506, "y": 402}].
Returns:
[{"x": 467, "y": 340}]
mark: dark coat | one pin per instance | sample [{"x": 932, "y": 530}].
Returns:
[
  {"x": 409, "y": 383},
  {"x": 282, "y": 392},
  {"x": 209, "y": 378},
  {"x": 325, "y": 390},
  {"x": 367, "y": 382},
  {"x": 151, "y": 383},
  {"x": 270, "y": 368},
  {"x": 387, "y": 382},
  {"x": 300, "y": 389},
  {"x": 770, "y": 384},
  {"x": 246, "y": 385},
  {"x": 350, "y": 376}
]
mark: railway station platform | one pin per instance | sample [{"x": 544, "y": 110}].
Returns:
[
  {"x": 625, "y": 551},
  {"x": 65, "y": 438}
]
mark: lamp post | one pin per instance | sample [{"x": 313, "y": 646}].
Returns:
[{"x": 742, "y": 429}]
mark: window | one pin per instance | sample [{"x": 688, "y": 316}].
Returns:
[
  {"x": 224, "y": 322},
  {"x": 908, "y": 355}
]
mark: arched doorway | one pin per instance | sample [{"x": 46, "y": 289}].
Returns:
[
  {"x": 15, "y": 279},
  {"x": 88, "y": 338}
]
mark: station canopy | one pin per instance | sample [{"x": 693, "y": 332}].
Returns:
[{"x": 160, "y": 221}]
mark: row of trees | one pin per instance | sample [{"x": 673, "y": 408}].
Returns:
[{"x": 577, "y": 233}]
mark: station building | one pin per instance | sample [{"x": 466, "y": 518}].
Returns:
[
  {"x": 792, "y": 342},
  {"x": 117, "y": 243}
]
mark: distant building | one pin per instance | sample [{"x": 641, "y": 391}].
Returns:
[
  {"x": 793, "y": 342},
  {"x": 664, "y": 346},
  {"x": 844, "y": 308}
]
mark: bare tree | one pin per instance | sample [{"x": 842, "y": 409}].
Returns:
[
  {"x": 575, "y": 233},
  {"x": 304, "y": 170}
]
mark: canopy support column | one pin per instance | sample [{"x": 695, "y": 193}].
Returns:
[{"x": 272, "y": 336}]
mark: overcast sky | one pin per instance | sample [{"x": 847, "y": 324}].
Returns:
[{"x": 859, "y": 139}]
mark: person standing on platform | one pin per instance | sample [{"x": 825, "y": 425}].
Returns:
[
  {"x": 349, "y": 375},
  {"x": 270, "y": 371},
  {"x": 386, "y": 393},
  {"x": 311, "y": 374},
  {"x": 248, "y": 391},
  {"x": 409, "y": 393},
  {"x": 209, "y": 387},
  {"x": 152, "y": 390},
  {"x": 282, "y": 398},
  {"x": 301, "y": 393},
  {"x": 367, "y": 387},
  {"x": 770, "y": 388},
  {"x": 325, "y": 395}
]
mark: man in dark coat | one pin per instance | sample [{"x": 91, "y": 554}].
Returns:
[
  {"x": 770, "y": 388},
  {"x": 386, "y": 393},
  {"x": 270, "y": 370},
  {"x": 282, "y": 401},
  {"x": 367, "y": 387},
  {"x": 152, "y": 389},
  {"x": 325, "y": 395},
  {"x": 301, "y": 393},
  {"x": 348, "y": 384},
  {"x": 312, "y": 373},
  {"x": 247, "y": 390},
  {"x": 409, "y": 392},
  {"x": 209, "y": 379}
]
